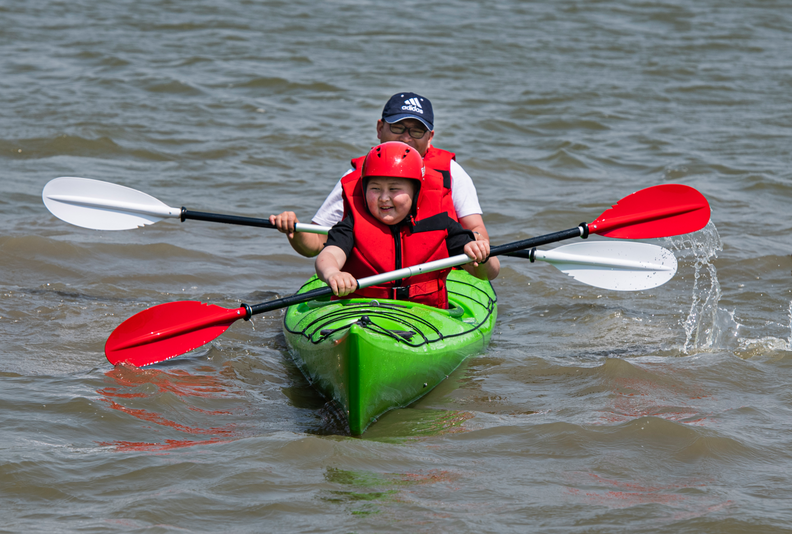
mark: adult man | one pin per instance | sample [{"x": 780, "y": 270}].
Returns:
[{"x": 406, "y": 117}]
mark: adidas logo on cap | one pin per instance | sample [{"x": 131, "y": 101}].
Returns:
[
  {"x": 406, "y": 105},
  {"x": 412, "y": 104}
]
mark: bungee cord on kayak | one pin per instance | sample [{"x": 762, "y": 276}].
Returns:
[{"x": 312, "y": 321}]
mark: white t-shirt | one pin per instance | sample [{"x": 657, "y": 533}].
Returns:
[{"x": 463, "y": 193}]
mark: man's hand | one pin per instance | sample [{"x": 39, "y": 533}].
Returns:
[
  {"x": 478, "y": 251},
  {"x": 285, "y": 222}
]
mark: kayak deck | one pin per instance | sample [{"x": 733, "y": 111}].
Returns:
[{"x": 372, "y": 356}]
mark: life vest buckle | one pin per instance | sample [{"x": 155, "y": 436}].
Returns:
[{"x": 401, "y": 293}]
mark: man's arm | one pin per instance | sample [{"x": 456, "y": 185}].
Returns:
[
  {"x": 466, "y": 202},
  {"x": 478, "y": 250},
  {"x": 475, "y": 223},
  {"x": 329, "y": 214},
  {"x": 305, "y": 243},
  {"x": 308, "y": 245}
]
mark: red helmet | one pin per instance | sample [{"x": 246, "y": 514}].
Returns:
[{"x": 394, "y": 159}]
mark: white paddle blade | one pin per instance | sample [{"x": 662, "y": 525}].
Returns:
[
  {"x": 615, "y": 265},
  {"x": 101, "y": 205}
]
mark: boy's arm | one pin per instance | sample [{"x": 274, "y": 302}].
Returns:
[
  {"x": 340, "y": 242},
  {"x": 328, "y": 269}
]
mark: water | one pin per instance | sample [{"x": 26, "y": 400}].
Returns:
[{"x": 661, "y": 411}]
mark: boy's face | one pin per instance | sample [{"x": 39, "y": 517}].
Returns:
[{"x": 390, "y": 199}]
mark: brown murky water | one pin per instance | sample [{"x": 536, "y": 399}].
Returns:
[{"x": 592, "y": 411}]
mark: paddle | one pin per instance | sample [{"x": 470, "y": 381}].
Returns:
[
  {"x": 614, "y": 265},
  {"x": 658, "y": 211},
  {"x": 105, "y": 206},
  {"x": 167, "y": 330}
]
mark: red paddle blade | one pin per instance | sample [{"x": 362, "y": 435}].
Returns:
[
  {"x": 162, "y": 332},
  {"x": 659, "y": 211}
]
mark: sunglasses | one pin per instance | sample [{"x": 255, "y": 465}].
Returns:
[{"x": 415, "y": 133}]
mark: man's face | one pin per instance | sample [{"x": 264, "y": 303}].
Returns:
[{"x": 384, "y": 134}]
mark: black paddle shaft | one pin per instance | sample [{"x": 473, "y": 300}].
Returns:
[
  {"x": 284, "y": 302},
  {"x": 230, "y": 219},
  {"x": 578, "y": 231}
]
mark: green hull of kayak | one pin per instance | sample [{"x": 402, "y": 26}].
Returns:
[{"x": 374, "y": 356}]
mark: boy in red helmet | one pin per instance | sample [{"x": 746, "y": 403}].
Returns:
[
  {"x": 396, "y": 214},
  {"x": 409, "y": 118}
]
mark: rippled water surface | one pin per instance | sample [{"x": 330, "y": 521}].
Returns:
[{"x": 667, "y": 410}]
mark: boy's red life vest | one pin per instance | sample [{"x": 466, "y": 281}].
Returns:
[{"x": 418, "y": 239}]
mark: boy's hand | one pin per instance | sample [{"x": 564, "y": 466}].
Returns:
[
  {"x": 478, "y": 251},
  {"x": 342, "y": 283}
]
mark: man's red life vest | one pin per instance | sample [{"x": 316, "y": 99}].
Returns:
[
  {"x": 439, "y": 161},
  {"x": 418, "y": 239}
]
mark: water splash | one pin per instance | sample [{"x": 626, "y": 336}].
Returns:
[
  {"x": 789, "y": 340},
  {"x": 706, "y": 323},
  {"x": 707, "y": 326}
]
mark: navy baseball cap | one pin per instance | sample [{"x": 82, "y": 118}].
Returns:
[{"x": 408, "y": 106}]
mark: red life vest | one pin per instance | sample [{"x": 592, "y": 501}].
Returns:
[
  {"x": 439, "y": 160},
  {"x": 418, "y": 239}
]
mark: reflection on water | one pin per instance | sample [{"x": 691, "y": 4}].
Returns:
[
  {"x": 660, "y": 392},
  {"x": 369, "y": 492},
  {"x": 178, "y": 382},
  {"x": 158, "y": 389},
  {"x": 681, "y": 496},
  {"x": 416, "y": 423}
]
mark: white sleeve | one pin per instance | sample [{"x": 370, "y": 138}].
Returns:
[
  {"x": 463, "y": 192},
  {"x": 332, "y": 209}
]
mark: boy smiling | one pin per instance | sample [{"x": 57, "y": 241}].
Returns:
[{"x": 396, "y": 214}]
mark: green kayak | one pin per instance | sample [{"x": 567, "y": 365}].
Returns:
[{"x": 371, "y": 356}]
